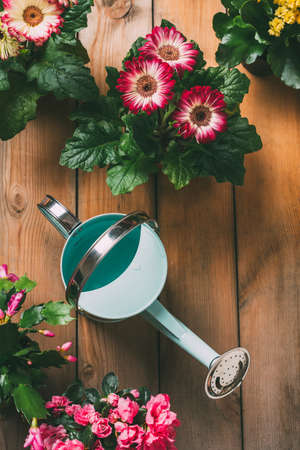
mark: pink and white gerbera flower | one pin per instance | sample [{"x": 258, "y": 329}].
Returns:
[
  {"x": 200, "y": 113},
  {"x": 169, "y": 46},
  {"x": 32, "y": 20},
  {"x": 146, "y": 84}
]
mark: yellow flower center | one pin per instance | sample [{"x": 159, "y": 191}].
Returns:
[
  {"x": 33, "y": 16},
  {"x": 169, "y": 53},
  {"x": 146, "y": 86}
]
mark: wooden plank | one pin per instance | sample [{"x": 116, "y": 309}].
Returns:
[
  {"x": 28, "y": 170},
  {"x": 197, "y": 230},
  {"x": 268, "y": 221},
  {"x": 128, "y": 348}
]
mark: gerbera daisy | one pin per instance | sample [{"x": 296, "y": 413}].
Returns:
[
  {"x": 146, "y": 84},
  {"x": 9, "y": 46},
  {"x": 32, "y": 20},
  {"x": 168, "y": 45},
  {"x": 200, "y": 113}
]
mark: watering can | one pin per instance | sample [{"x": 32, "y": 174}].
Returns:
[{"x": 114, "y": 266}]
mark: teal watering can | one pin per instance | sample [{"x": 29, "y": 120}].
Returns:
[{"x": 114, "y": 266}]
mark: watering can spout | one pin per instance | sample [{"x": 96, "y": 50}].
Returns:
[
  {"x": 58, "y": 215},
  {"x": 226, "y": 372}
]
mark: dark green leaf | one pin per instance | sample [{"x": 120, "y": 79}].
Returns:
[
  {"x": 57, "y": 313},
  {"x": 180, "y": 166},
  {"x": 9, "y": 338},
  {"x": 93, "y": 144},
  {"x": 254, "y": 13},
  {"x": 134, "y": 50},
  {"x": 6, "y": 285},
  {"x": 166, "y": 23},
  {"x": 48, "y": 358},
  {"x": 75, "y": 392},
  {"x": 75, "y": 20},
  {"x": 24, "y": 283},
  {"x": 142, "y": 127},
  {"x": 92, "y": 395},
  {"x": 29, "y": 402},
  {"x": 18, "y": 106},
  {"x": 61, "y": 70},
  {"x": 26, "y": 351},
  {"x": 32, "y": 316},
  {"x": 241, "y": 136},
  {"x": 110, "y": 383},
  {"x": 3, "y": 300},
  {"x": 232, "y": 83},
  {"x": 221, "y": 24},
  {"x": 112, "y": 80},
  {"x": 285, "y": 62},
  {"x": 104, "y": 108},
  {"x": 145, "y": 395},
  {"x": 239, "y": 45},
  {"x": 4, "y": 82},
  {"x": 87, "y": 437}
]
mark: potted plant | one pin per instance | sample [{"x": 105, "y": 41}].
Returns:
[
  {"x": 21, "y": 359},
  {"x": 166, "y": 111},
  {"x": 264, "y": 35},
  {"x": 40, "y": 54}
]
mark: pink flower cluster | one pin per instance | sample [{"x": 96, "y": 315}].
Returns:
[
  {"x": 147, "y": 84},
  {"x": 157, "y": 429}
]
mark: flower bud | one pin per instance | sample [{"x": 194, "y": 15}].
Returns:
[{"x": 46, "y": 333}]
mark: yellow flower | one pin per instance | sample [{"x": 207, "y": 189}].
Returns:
[{"x": 276, "y": 26}]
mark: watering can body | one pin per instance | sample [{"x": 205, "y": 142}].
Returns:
[{"x": 127, "y": 279}]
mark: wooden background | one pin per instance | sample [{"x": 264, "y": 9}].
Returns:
[{"x": 234, "y": 273}]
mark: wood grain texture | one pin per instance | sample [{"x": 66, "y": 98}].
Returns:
[
  {"x": 28, "y": 170},
  {"x": 129, "y": 348},
  {"x": 197, "y": 230},
  {"x": 268, "y": 223}
]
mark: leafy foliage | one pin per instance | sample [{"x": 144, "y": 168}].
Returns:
[
  {"x": 58, "y": 67},
  {"x": 244, "y": 35},
  {"x": 21, "y": 359},
  {"x": 134, "y": 146}
]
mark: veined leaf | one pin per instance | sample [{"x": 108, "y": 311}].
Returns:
[
  {"x": 31, "y": 317},
  {"x": 57, "y": 313},
  {"x": 29, "y": 402}
]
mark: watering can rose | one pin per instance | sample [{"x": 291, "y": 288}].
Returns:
[
  {"x": 165, "y": 111},
  {"x": 129, "y": 418}
]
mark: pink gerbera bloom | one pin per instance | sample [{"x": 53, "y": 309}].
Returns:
[
  {"x": 168, "y": 45},
  {"x": 200, "y": 113},
  {"x": 32, "y": 20},
  {"x": 146, "y": 85}
]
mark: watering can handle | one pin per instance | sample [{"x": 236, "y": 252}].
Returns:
[
  {"x": 175, "y": 330},
  {"x": 58, "y": 215}
]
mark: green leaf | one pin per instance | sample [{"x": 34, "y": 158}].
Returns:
[
  {"x": 145, "y": 395},
  {"x": 112, "y": 80},
  {"x": 61, "y": 71},
  {"x": 134, "y": 50},
  {"x": 18, "y": 106},
  {"x": 285, "y": 61},
  {"x": 4, "y": 82},
  {"x": 48, "y": 358},
  {"x": 29, "y": 402},
  {"x": 75, "y": 20},
  {"x": 93, "y": 144},
  {"x": 239, "y": 45},
  {"x": 110, "y": 383},
  {"x": 105, "y": 107},
  {"x": 9, "y": 338},
  {"x": 232, "y": 83},
  {"x": 6, "y": 285},
  {"x": 24, "y": 283},
  {"x": 240, "y": 135},
  {"x": 180, "y": 166},
  {"x": 222, "y": 23},
  {"x": 124, "y": 177},
  {"x": 166, "y": 23},
  {"x": 141, "y": 127},
  {"x": 75, "y": 392},
  {"x": 57, "y": 313},
  {"x": 31, "y": 317},
  {"x": 254, "y": 13},
  {"x": 92, "y": 395}
]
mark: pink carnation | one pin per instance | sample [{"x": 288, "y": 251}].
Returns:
[
  {"x": 70, "y": 409},
  {"x": 101, "y": 428},
  {"x": 51, "y": 434},
  {"x": 113, "y": 416},
  {"x": 58, "y": 403},
  {"x": 84, "y": 415},
  {"x": 154, "y": 441},
  {"x": 127, "y": 409},
  {"x": 135, "y": 393},
  {"x": 98, "y": 445},
  {"x": 113, "y": 399},
  {"x": 68, "y": 445},
  {"x": 129, "y": 436},
  {"x": 158, "y": 411}
]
